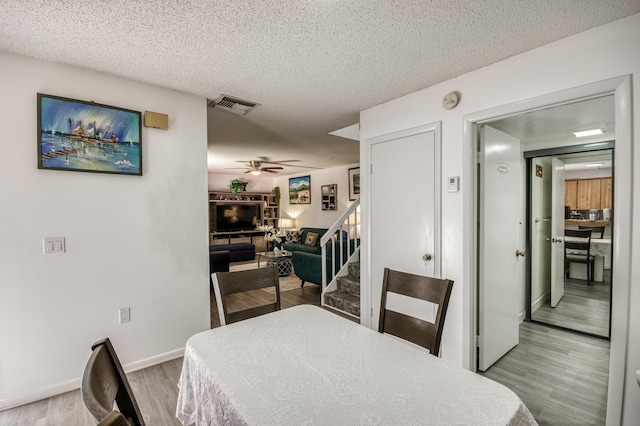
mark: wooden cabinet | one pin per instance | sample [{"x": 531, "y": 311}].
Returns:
[
  {"x": 606, "y": 200},
  {"x": 586, "y": 194},
  {"x": 571, "y": 194}
]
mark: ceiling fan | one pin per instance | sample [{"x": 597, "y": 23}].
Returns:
[{"x": 256, "y": 167}]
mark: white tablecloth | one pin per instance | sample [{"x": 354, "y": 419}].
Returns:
[{"x": 306, "y": 366}]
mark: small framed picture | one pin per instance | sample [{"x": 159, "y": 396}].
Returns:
[
  {"x": 300, "y": 190},
  {"x": 354, "y": 183}
]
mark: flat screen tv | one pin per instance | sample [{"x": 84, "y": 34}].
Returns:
[{"x": 237, "y": 217}]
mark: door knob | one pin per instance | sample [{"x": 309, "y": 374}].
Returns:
[
  {"x": 520, "y": 253},
  {"x": 427, "y": 257}
]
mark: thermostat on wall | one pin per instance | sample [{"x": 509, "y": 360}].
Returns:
[{"x": 453, "y": 184}]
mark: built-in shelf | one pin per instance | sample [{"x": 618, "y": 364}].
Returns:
[{"x": 267, "y": 214}]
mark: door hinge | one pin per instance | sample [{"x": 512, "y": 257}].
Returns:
[
  {"x": 371, "y": 172},
  {"x": 477, "y": 341},
  {"x": 478, "y": 157}
]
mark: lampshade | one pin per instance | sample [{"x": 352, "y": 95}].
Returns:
[{"x": 286, "y": 223}]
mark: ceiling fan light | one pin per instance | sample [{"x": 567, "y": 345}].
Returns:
[
  {"x": 255, "y": 172},
  {"x": 588, "y": 132}
]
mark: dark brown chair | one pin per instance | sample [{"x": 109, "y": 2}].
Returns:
[
  {"x": 415, "y": 330},
  {"x": 578, "y": 250},
  {"x": 104, "y": 383},
  {"x": 596, "y": 231},
  {"x": 114, "y": 418},
  {"x": 227, "y": 283}
]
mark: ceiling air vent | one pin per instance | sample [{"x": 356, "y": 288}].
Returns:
[{"x": 234, "y": 105}]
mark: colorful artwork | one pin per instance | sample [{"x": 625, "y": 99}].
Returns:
[
  {"x": 84, "y": 136},
  {"x": 300, "y": 190}
]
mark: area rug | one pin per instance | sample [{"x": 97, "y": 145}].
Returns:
[{"x": 287, "y": 283}]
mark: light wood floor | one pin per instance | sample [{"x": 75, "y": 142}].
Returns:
[
  {"x": 560, "y": 376},
  {"x": 584, "y": 308}
]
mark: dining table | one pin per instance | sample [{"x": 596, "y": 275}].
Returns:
[{"x": 307, "y": 366}]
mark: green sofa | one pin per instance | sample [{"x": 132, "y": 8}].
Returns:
[
  {"x": 308, "y": 266},
  {"x": 294, "y": 247}
]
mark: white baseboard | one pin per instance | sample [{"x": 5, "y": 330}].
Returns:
[
  {"x": 154, "y": 360},
  {"x": 73, "y": 384},
  {"x": 536, "y": 304}
]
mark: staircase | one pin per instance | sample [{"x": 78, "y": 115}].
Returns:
[
  {"x": 341, "y": 243},
  {"x": 346, "y": 297}
]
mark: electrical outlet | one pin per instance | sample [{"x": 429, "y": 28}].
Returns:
[{"x": 125, "y": 315}]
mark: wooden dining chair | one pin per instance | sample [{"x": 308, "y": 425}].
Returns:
[
  {"x": 415, "y": 330},
  {"x": 105, "y": 383},
  {"x": 596, "y": 231},
  {"x": 578, "y": 250},
  {"x": 228, "y": 283}
]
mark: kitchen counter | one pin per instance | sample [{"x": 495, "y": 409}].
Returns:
[{"x": 585, "y": 222}]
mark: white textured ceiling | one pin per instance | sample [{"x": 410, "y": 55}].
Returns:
[{"x": 313, "y": 65}]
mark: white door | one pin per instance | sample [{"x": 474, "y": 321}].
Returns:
[
  {"x": 405, "y": 206},
  {"x": 501, "y": 252},
  {"x": 557, "y": 231}
]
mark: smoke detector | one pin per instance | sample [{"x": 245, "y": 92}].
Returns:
[{"x": 233, "y": 104}]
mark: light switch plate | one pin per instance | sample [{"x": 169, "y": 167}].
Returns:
[{"x": 54, "y": 245}]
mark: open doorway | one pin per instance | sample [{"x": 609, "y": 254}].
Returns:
[{"x": 507, "y": 224}]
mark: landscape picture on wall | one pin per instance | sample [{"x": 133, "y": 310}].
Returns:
[
  {"x": 300, "y": 190},
  {"x": 85, "y": 136}
]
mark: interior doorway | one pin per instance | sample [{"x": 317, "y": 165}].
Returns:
[
  {"x": 513, "y": 225},
  {"x": 547, "y": 131},
  {"x": 620, "y": 88}
]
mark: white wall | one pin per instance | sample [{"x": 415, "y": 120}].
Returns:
[
  {"x": 312, "y": 215},
  {"x": 565, "y": 64},
  {"x": 132, "y": 241}
]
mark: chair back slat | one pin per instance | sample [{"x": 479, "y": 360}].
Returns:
[
  {"x": 228, "y": 283},
  {"x": 115, "y": 418},
  {"x": 413, "y": 329},
  {"x": 596, "y": 231}
]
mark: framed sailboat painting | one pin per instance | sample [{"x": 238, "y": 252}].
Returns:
[{"x": 83, "y": 136}]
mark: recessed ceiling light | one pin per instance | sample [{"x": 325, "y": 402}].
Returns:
[
  {"x": 594, "y": 165},
  {"x": 589, "y": 132}
]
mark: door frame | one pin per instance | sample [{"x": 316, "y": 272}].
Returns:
[
  {"x": 609, "y": 145},
  {"x": 620, "y": 87}
]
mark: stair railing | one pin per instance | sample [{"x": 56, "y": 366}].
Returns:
[{"x": 346, "y": 229}]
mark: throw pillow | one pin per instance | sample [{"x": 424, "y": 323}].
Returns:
[
  {"x": 293, "y": 236},
  {"x": 312, "y": 239}
]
